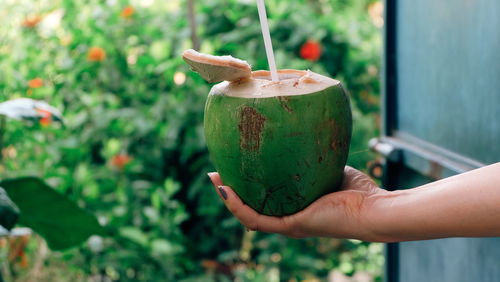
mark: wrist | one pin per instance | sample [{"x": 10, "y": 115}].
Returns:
[{"x": 380, "y": 216}]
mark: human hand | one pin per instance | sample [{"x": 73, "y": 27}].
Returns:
[{"x": 343, "y": 214}]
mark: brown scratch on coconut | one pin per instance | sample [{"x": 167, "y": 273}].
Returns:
[
  {"x": 336, "y": 142},
  {"x": 250, "y": 126},
  {"x": 284, "y": 103}
]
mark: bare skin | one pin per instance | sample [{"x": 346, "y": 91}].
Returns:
[{"x": 465, "y": 205}]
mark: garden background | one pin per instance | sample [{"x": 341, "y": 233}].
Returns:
[{"x": 131, "y": 150}]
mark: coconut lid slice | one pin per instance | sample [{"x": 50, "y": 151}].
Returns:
[{"x": 217, "y": 68}]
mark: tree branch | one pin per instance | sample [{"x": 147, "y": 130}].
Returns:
[
  {"x": 192, "y": 23},
  {"x": 2, "y": 131}
]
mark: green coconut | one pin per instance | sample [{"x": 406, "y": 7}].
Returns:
[{"x": 279, "y": 145}]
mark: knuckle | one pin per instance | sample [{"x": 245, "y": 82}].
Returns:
[
  {"x": 254, "y": 226},
  {"x": 236, "y": 211},
  {"x": 290, "y": 227}
]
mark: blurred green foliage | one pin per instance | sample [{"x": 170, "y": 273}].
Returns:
[{"x": 132, "y": 149}]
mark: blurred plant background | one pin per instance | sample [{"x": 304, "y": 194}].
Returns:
[{"x": 132, "y": 150}]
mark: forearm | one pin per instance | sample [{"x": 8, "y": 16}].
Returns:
[{"x": 466, "y": 205}]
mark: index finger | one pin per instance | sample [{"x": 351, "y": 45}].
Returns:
[{"x": 248, "y": 216}]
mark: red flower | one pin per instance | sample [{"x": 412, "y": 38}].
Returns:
[
  {"x": 46, "y": 117},
  {"x": 31, "y": 22},
  {"x": 121, "y": 160},
  {"x": 127, "y": 12},
  {"x": 17, "y": 246},
  {"x": 96, "y": 54},
  {"x": 311, "y": 50},
  {"x": 35, "y": 83}
]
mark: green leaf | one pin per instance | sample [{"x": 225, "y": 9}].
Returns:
[
  {"x": 60, "y": 221},
  {"x": 9, "y": 212},
  {"x": 134, "y": 234},
  {"x": 171, "y": 187},
  {"x": 162, "y": 247}
]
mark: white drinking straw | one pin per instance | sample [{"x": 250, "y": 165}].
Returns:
[{"x": 267, "y": 39}]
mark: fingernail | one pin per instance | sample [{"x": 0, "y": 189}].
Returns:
[
  {"x": 210, "y": 177},
  {"x": 222, "y": 192}
]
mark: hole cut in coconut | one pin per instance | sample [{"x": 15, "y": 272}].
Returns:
[
  {"x": 282, "y": 74},
  {"x": 286, "y": 75},
  {"x": 260, "y": 85}
]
